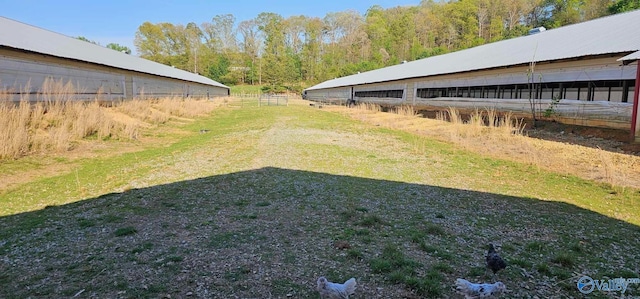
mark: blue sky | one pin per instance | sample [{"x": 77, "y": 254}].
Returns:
[{"x": 106, "y": 21}]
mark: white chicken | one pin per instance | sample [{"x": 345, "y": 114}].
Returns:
[
  {"x": 479, "y": 290},
  {"x": 331, "y": 290}
]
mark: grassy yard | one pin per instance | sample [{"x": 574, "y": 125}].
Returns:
[{"x": 258, "y": 202}]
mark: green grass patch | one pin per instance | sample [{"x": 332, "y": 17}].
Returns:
[
  {"x": 565, "y": 259},
  {"x": 434, "y": 229},
  {"x": 524, "y": 263},
  {"x": 125, "y": 231},
  {"x": 535, "y": 246},
  {"x": 370, "y": 220},
  {"x": 175, "y": 258},
  {"x": 84, "y": 223},
  {"x": 355, "y": 254},
  {"x": 392, "y": 259},
  {"x": 544, "y": 269},
  {"x": 282, "y": 287},
  {"x": 142, "y": 248}
]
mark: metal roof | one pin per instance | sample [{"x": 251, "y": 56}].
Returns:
[
  {"x": 21, "y": 36},
  {"x": 632, "y": 56},
  {"x": 608, "y": 35}
]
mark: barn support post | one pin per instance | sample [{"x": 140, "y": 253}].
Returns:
[
  {"x": 129, "y": 87},
  {"x": 635, "y": 122},
  {"x": 415, "y": 94}
]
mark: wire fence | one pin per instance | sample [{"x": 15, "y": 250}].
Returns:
[
  {"x": 260, "y": 99},
  {"x": 273, "y": 100},
  {"x": 246, "y": 95}
]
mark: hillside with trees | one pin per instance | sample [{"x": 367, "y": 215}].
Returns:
[{"x": 299, "y": 51}]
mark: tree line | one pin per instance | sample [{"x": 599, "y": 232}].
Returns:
[
  {"x": 299, "y": 51},
  {"x": 112, "y": 46}
]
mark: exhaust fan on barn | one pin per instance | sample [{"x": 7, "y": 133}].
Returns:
[{"x": 537, "y": 30}]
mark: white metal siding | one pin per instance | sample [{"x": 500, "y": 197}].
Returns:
[
  {"x": 519, "y": 76},
  {"x": 155, "y": 87},
  {"x": 24, "y": 78},
  {"x": 377, "y": 87},
  {"x": 17, "y": 35},
  {"x": 28, "y": 77},
  {"x": 343, "y": 93}
]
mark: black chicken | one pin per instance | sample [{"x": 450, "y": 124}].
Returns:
[{"x": 494, "y": 262}]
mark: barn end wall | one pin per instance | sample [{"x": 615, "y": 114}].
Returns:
[{"x": 27, "y": 75}]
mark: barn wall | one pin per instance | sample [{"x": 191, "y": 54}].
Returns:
[
  {"x": 374, "y": 93},
  {"x": 145, "y": 86},
  {"x": 607, "y": 106},
  {"x": 26, "y": 75},
  {"x": 329, "y": 94},
  {"x": 380, "y": 86},
  {"x": 584, "y": 70},
  {"x": 579, "y": 70},
  {"x": 605, "y": 68}
]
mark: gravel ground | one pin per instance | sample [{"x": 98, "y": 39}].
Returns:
[{"x": 299, "y": 202}]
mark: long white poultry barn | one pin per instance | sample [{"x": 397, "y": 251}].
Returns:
[
  {"x": 582, "y": 74},
  {"x": 35, "y": 62}
]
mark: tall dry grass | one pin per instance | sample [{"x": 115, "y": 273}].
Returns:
[
  {"x": 159, "y": 111},
  {"x": 487, "y": 122},
  {"x": 180, "y": 107},
  {"x": 14, "y": 135},
  {"x": 57, "y": 122},
  {"x": 368, "y": 107},
  {"x": 405, "y": 111},
  {"x": 503, "y": 136}
]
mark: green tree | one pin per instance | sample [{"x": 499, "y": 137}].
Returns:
[
  {"x": 219, "y": 68},
  {"x": 162, "y": 43},
  {"x": 592, "y": 9},
  {"x": 294, "y": 28},
  {"x": 279, "y": 65},
  {"x": 401, "y": 31},
  {"x": 250, "y": 47},
  {"x": 377, "y": 30},
  {"x": 462, "y": 21},
  {"x": 623, "y": 6},
  {"x": 82, "y": 38},
  {"x": 119, "y": 48},
  {"x": 285, "y": 52},
  {"x": 562, "y": 12},
  {"x": 220, "y": 34},
  {"x": 193, "y": 46},
  {"x": 310, "y": 64}
]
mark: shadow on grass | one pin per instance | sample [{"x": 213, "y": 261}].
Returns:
[{"x": 272, "y": 232}]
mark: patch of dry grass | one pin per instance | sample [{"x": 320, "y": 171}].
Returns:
[
  {"x": 504, "y": 137},
  {"x": 57, "y": 122},
  {"x": 368, "y": 107}
]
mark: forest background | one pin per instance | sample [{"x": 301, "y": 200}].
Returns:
[{"x": 290, "y": 54}]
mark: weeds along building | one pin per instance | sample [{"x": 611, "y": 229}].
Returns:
[
  {"x": 583, "y": 74},
  {"x": 35, "y": 63}
]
